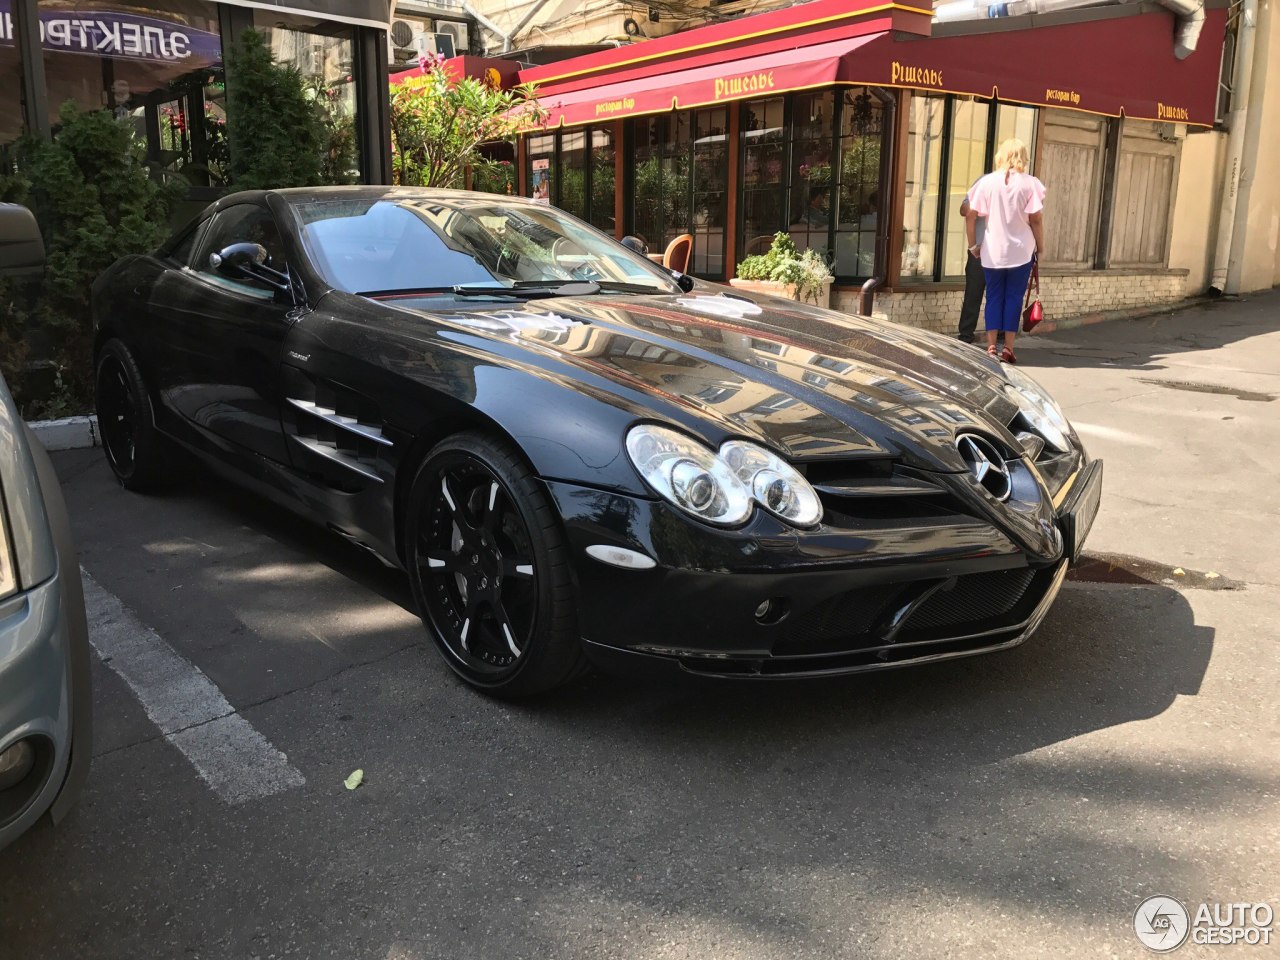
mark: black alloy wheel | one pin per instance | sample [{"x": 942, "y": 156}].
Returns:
[
  {"x": 489, "y": 568},
  {"x": 123, "y": 405}
]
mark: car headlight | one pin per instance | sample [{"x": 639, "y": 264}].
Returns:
[
  {"x": 720, "y": 487},
  {"x": 1040, "y": 409},
  {"x": 689, "y": 475},
  {"x": 775, "y": 484},
  {"x": 8, "y": 573}
]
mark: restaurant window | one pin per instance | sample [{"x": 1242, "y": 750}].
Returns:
[
  {"x": 764, "y": 163},
  {"x": 921, "y": 210},
  {"x": 858, "y": 202},
  {"x": 966, "y": 162},
  {"x": 812, "y": 167},
  {"x": 324, "y": 53},
  {"x": 541, "y": 155},
  {"x": 160, "y": 68},
  {"x": 561, "y": 170},
  {"x": 680, "y": 182},
  {"x": 601, "y": 210},
  {"x": 951, "y": 141},
  {"x": 572, "y": 181},
  {"x": 812, "y": 186}
]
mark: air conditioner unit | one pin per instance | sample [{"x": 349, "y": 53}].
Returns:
[
  {"x": 400, "y": 39},
  {"x": 458, "y": 31},
  {"x": 435, "y": 44}
]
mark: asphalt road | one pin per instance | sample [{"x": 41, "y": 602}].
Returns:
[{"x": 1019, "y": 805}]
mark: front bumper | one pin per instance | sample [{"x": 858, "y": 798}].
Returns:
[
  {"x": 35, "y": 700},
  {"x": 894, "y": 592}
]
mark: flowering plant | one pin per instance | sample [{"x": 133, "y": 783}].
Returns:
[{"x": 439, "y": 121}]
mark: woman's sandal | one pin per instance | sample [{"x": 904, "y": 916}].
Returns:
[
  {"x": 992, "y": 352},
  {"x": 1007, "y": 356}
]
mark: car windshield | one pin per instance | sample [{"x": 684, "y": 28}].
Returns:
[{"x": 422, "y": 243}]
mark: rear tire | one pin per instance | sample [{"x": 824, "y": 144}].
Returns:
[
  {"x": 126, "y": 422},
  {"x": 489, "y": 567}
]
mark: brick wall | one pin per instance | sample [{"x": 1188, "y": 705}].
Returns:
[{"x": 1065, "y": 295}]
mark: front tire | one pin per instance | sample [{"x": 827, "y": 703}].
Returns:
[
  {"x": 489, "y": 567},
  {"x": 129, "y": 436}
]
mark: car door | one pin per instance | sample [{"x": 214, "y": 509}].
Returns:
[{"x": 223, "y": 336}]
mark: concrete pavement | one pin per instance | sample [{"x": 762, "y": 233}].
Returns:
[{"x": 1017, "y": 806}]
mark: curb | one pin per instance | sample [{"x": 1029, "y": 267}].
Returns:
[
  {"x": 73, "y": 433},
  {"x": 1129, "y": 313}
]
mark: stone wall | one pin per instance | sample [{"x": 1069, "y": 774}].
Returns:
[{"x": 1066, "y": 295}]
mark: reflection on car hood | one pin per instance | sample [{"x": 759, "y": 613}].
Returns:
[{"x": 808, "y": 382}]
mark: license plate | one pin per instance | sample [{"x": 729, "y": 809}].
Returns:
[{"x": 1083, "y": 508}]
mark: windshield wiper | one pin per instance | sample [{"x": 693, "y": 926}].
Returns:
[
  {"x": 618, "y": 286},
  {"x": 521, "y": 290}
]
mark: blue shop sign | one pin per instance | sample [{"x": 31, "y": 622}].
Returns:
[{"x": 120, "y": 36}]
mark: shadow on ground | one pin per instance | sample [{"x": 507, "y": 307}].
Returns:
[{"x": 637, "y": 820}]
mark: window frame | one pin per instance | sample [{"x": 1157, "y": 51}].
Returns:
[
  {"x": 588, "y": 130},
  {"x": 689, "y": 150},
  {"x": 938, "y": 275},
  {"x": 255, "y": 289},
  {"x": 788, "y": 186}
]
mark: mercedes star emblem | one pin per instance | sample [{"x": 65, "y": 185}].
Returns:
[{"x": 987, "y": 466}]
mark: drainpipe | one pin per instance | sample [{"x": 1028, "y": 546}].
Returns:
[
  {"x": 1240, "y": 85},
  {"x": 507, "y": 36},
  {"x": 1190, "y": 23}
]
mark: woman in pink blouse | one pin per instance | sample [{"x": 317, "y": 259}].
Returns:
[{"x": 1013, "y": 202}]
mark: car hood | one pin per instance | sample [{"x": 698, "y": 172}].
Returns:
[{"x": 810, "y": 383}]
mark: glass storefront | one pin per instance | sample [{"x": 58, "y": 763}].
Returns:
[
  {"x": 813, "y": 167},
  {"x": 160, "y": 68},
  {"x": 324, "y": 53},
  {"x": 950, "y": 144},
  {"x": 681, "y": 179},
  {"x": 574, "y": 171}
]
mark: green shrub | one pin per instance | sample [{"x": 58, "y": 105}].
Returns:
[
  {"x": 275, "y": 123},
  {"x": 95, "y": 201},
  {"x": 784, "y": 263}
]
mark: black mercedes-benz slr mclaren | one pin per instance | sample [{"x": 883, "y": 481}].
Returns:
[{"x": 580, "y": 458}]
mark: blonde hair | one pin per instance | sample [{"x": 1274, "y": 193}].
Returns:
[{"x": 1012, "y": 155}]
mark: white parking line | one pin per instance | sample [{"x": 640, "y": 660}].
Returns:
[{"x": 233, "y": 758}]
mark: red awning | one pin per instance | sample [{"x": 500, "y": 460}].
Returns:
[
  {"x": 1112, "y": 66},
  {"x": 761, "y": 76}
]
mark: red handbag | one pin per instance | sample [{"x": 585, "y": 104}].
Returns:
[{"x": 1032, "y": 311}]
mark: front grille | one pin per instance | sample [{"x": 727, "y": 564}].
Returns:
[
  {"x": 854, "y": 492},
  {"x": 973, "y": 598},
  {"x": 858, "y": 619},
  {"x": 834, "y": 623}
]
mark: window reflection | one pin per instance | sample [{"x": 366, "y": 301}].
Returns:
[
  {"x": 161, "y": 68},
  {"x": 324, "y": 53},
  {"x": 968, "y": 162},
  {"x": 924, "y": 170}
]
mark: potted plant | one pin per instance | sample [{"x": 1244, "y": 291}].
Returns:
[{"x": 784, "y": 271}]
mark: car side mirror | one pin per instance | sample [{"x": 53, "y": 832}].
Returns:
[
  {"x": 683, "y": 281},
  {"x": 238, "y": 259},
  {"x": 21, "y": 246},
  {"x": 249, "y": 260}
]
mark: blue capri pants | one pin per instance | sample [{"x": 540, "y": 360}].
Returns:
[{"x": 1006, "y": 289}]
